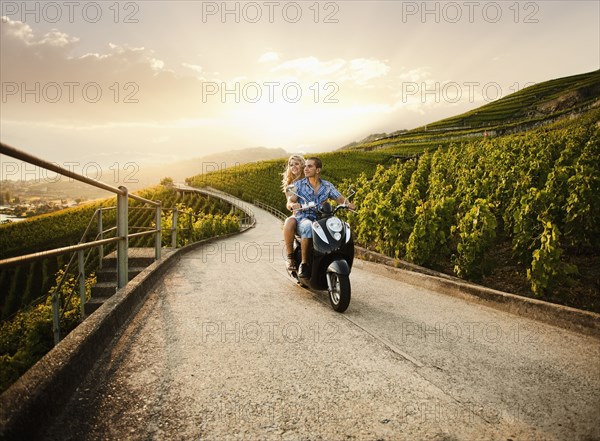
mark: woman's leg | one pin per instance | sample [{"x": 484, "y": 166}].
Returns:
[{"x": 289, "y": 231}]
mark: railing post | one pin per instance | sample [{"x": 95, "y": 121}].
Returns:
[
  {"x": 174, "y": 228},
  {"x": 101, "y": 233},
  {"x": 158, "y": 237},
  {"x": 80, "y": 257},
  {"x": 56, "y": 317},
  {"x": 191, "y": 226},
  {"x": 122, "y": 232}
]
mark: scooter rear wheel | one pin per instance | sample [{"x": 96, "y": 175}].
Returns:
[{"x": 339, "y": 294}]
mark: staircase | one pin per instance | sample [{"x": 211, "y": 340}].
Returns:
[{"x": 106, "y": 286}]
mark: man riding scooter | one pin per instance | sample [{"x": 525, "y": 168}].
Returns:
[{"x": 312, "y": 189}]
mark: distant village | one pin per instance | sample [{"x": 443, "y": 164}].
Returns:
[
  {"x": 18, "y": 210},
  {"x": 19, "y": 201}
]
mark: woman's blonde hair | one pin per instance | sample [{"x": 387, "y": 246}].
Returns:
[{"x": 287, "y": 176}]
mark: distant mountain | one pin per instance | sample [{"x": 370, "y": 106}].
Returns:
[
  {"x": 532, "y": 106},
  {"x": 64, "y": 188},
  {"x": 149, "y": 175}
]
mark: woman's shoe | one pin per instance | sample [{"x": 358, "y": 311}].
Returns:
[{"x": 290, "y": 263}]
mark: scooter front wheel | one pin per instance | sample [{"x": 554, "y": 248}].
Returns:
[{"x": 339, "y": 293}]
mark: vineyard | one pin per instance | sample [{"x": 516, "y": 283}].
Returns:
[
  {"x": 519, "y": 212},
  {"x": 536, "y": 194},
  {"x": 21, "y": 285},
  {"x": 262, "y": 180},
  {"x": 25, "y": 284},
  {"x": 527, "y": 108},
  {"x": 26, "y": 330}
]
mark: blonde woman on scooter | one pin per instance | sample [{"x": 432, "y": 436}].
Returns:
[{"x": 293, "y": 172}]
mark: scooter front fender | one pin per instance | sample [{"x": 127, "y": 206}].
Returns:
[{"x": 339, "y": 266}]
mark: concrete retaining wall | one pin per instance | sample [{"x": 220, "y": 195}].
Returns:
[
  {"x": 573, "y": 319},
  {"x": 39, "y": 395}
]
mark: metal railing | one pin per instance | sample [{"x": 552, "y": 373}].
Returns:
[
  {"x": 122, "y": 228},
  {"x": 247, "y": 221},
  {"x": 122, "y": 231},
  {"x": 274, "y": 211}
]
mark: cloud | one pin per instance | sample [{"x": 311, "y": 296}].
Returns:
[
  {"x": 24, "y": 33},
  {"x": 194, "y": 67},
  {"x": 312, "y": 66},
  {"x": 147, "y": 103},
  {"x": 268, "y": 57},
  {"x": 56, "y": 38},
  {"x": 16, "y": 29},
  {"x": 362, "y": 70},
  {"x": 29, "y": 52},
  {"x": 415, "y": 74},
  {"x": 45, "y": 80},
  {"x": 359, "y": 70},
  {"x": 50, "y": 58}
]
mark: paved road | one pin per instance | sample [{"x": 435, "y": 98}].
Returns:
[{"x": 227, "y": 347}]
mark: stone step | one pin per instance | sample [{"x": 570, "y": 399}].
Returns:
[
  {"x": 110, "y": 261},
  {"x": 106, "y": 286},
  {"x": 110, "y": 274},
  {"x": 93, "y": 304},
  {"x": 103, "y": 289},
  {"x": 137, "y": 257}
]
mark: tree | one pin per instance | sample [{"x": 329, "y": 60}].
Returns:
[{"x": 167, "y": 182}]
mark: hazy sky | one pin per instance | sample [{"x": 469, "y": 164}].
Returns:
[{"x": 158, "y": 81}]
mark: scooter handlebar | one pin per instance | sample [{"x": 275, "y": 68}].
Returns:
[
  {"x": 345, "y": 207},
  {"x": 305, "y": 207},
  {"x": 311, "y": 205}
]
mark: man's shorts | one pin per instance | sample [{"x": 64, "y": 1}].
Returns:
[{"x": 304, "y": 229}]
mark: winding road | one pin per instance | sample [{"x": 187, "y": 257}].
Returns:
[{"x": 228, "y": 347}]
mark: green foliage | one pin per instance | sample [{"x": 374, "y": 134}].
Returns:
[
  {"x": 476, "y": 231},
  {"x": 21, "y": 285},
  {"x": 428, "y": 242},
  {"x": 582, "y": 205},
  {"x": 451, "y": 206},
  {"x": 547, "y": 266},
  {"x": 167, "y": 181},
  {"x": 526, "y": 108},
  {"x": 193, "y": 228},
  {"x": 28, "y": 336},
  {"x": 262, "y": 180},
  {"x": 45, "y": 232}
]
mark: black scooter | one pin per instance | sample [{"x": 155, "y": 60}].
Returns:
[{"x": 332, "y": 253}]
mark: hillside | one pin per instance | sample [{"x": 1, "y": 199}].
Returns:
[
  {"x": 535, "y": 105},
  {"x": 516, "y": 212},
  {"x": 180, "y": 170},
  {"x": 51, "y": 187},
  {"x": 565, "y": 155}
]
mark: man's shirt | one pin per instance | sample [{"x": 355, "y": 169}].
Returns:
[{"x": 303, "y": 188}]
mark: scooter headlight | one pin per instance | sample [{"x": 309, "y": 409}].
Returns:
[{"x": 334, "y": 225}]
